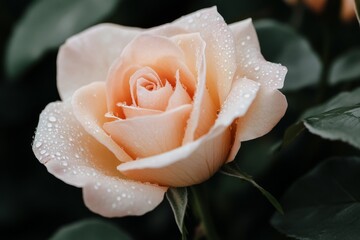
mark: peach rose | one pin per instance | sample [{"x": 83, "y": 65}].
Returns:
[{"x": 144, "y": 110}]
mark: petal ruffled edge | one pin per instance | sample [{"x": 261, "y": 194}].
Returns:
[
  {"x": 250, "y": 62},
  {"x": 72, "y": 155}
]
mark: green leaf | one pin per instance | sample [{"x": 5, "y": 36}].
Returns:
[
  {"x": 280, "y": 43},
  {"x": 324, "y": 204},
  {"x": 341, "y": 100},
  {"x": 178, "y": 199},
  {"x": 46, "y": 25},
  {"x": 338, "y": 124},
  {"x": 232, "y": 169},
  {"x": 90, "y": 229},
  {"x": 346, "y": 67},
  {"x": 336, "y": 119}
]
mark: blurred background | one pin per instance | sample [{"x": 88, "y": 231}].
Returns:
[{"x": 34, "y": 204}]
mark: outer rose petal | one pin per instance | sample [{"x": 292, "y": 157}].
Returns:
[
  {"x": 270, "y": 105},
  {"x": 152, "y": 134},
  {"x": 265, "y": 112},
  {"x": 250, "y": 62},
  {"x": 87, "y": 57},
  {"x": 220, "y": 49},
  {"x": 72, "y": 155},
  {"x": 197, "y": 161},
  {"x": 89, "y": 105}
]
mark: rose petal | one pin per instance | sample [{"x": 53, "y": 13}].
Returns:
[
  {"x": 184, "y": 166},
  {"x": 250, "y": 62},
  {"x": 89, "y": 105},
  {"x": 180, "y": 96},
  {"x": 157, "y": 52},
  {"x": 131, "y": 111},
  {"x": 144, "y": 74},
  {"x": 75, "y": 157},
  {"x": 347, "y": 12},
  {"x": 220, "y": 49},
  {"x": 204, "y": 110},
  {"x": 242, "y": 95},
  {"x": 197, "y": 161},
  {"x": 150, "y": 135},
  {"x": 154, "y": 99},
  {"x": 265, "y": 112},
  {"x": 316, "y": 6},
  {"x": 87, "y": 57}
]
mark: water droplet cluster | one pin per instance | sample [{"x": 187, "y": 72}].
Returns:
[
  {"x": 239, "y": 100},
  {"x": 251, "y": 63},
  {"x": 69, "y": 153},
  {"x": 220, "y": 49}
]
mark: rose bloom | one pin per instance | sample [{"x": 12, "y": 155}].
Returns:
[
  {"x": 347, "y": 7},
  {"x": 145, "y": 110}
]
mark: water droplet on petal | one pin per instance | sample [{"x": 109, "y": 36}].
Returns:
[
  {"x": 38, "y": 144},
  {"x": 64, "y": 163},
  {"x": 52, "y": 119}
]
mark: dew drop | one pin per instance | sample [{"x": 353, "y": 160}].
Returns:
[
  {"x": 64, "y": 163},
  {"x": 42, "y": 151},
  {"x": 38, "y": 144},
  {"x": 257, "y": 68},
  {"x": 52, "y": 119}
]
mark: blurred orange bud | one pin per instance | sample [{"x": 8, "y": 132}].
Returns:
[{"x": 347, "y": 11}]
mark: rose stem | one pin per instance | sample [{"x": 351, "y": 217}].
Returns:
[{"x": 202, "y": 211}]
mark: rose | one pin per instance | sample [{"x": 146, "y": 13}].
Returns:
[
  {"x": 144, "y": 110},
  {"x": 347, "y": 8}
]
